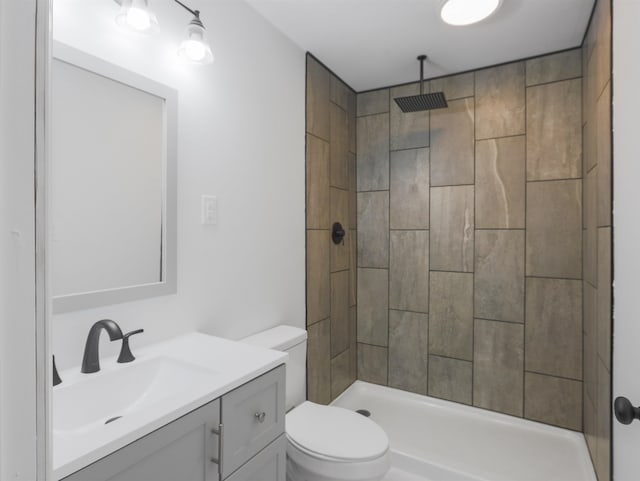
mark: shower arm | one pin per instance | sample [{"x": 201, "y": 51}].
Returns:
[{"x": 422, "y": 58}]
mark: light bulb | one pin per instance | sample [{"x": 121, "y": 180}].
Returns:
[
  {"x": 466, "y": 12},
  {"x": 134, "y": 15},
  {"x": 138, "y": 19},
  {"x": 195, "y": 47}
]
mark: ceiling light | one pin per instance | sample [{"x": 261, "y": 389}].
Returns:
[
  {"x": 195, "y": 47},
  {"x": 135, "y": 15},
  {"x": 466, "y": 12}
]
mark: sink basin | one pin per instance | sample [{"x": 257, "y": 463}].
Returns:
[{"x": 95, "y": 400}]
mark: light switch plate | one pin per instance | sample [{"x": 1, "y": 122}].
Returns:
[{"x": 209, "y": 210}]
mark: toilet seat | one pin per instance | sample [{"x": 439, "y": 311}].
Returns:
[{"x": 335, "y": 434}]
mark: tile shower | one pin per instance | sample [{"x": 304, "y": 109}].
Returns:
[{"x": 483, "y": 235}]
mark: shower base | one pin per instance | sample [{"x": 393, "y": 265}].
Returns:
[{"x": 436, "y": 440}]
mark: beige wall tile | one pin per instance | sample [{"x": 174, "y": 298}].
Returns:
[
  {"x": 452, "y": 144},
  {"x": 554, "y": 219},
  {"x": 450, "y": 379},
  {"x": 340, "y": 213},
  {"x": 498, "y": 362},
  {"x": 604, "y": 296},
  {"x": 317, "y": 183},
  {"x": 340, "y": 373},
  {"x": 500, "y": 183},
  {"x": 408, "y": 130},
  {"x": 339, "y": 312},
  {"x": 590, "y": 252},
  {"x": 374, "y": 102},
  {"x": 590, "y": 342},
  {"x": 353, "y": 267},
  {"x": 372, "y": 364},
  {"x": 373, "y": 306},
  {"x": 451, "y": 314},
  {"x": 409, "y": 194},
  {"x": 553, "y": 400},
  {"x": 319, "y": 362},
  {"x": 353, "y": 338},
  {"x": 351, "y": 113},
  {"x": 409, "y": 270},
  {"x": 339, "y": 93},
  {"x": 452, "y": 228},
  {"x": 500, "y": 101},
  {"x": 554, "y": 129},
  {"x": 454, "y": 86},
  {"x": 603, "y": 423},
  {"x": 408, "y": 351},
  {"x": 553, "y": 334},
  {"x": 318, "y": 280},
  {"x": 318, "y": 98},
  {"x": 353, "y": 208},
  {"x": 373, "y": 152},
  {"x": 589, "y": 426},
  {"x": 551, "y": 68},
  {"x": 338, "y": 147},
  {"x": 373, "y": 229},
  {"x": 603, "y": 153},
  {"x": 499, "y": 275}
]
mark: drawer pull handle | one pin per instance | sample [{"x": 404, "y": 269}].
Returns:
[
  {"x": 260, "y": 416},
  {"x": 218, "y": 461}
]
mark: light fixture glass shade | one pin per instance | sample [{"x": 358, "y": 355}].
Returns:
[
  {"x": 195, "y": 47},
  {"x": 134, "y": 15},
  {"x": 466, "y": 12}
]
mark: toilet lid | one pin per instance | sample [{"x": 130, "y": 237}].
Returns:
[{"x": 335, "y": 432}]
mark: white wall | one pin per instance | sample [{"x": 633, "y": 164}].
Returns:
[
  {"x": 17, "y": 242},
  {"x": 241, "y": 137},
  {"x": 626, "y": 170}
]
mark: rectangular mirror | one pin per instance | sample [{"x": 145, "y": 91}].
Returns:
[{"x": 113, "y": 183}]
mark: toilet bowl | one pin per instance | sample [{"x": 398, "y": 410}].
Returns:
[{"x": 324, "y": 443}]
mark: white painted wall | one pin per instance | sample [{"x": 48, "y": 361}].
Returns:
[
  {"x": 17, "y": 242},
  {"x": 241, "y": 137},
  {"x": 626, "y": 226}
]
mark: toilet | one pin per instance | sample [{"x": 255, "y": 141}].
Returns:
[{"x": 324, "y": 443}]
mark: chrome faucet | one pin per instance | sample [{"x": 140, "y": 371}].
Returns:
[{"x": 91, "y": 360}]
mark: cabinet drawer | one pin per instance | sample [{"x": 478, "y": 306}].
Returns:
[
  {"x": 268, "y": 465},
  {"x": 253, "y": 416}
]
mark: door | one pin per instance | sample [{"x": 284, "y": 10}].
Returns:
[{"x": 626, "y": 188}]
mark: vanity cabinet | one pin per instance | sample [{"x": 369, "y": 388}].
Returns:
[{"x": 237, "y": 437}]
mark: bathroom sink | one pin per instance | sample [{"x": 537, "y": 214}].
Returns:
[{"x": 94, "y": 401}]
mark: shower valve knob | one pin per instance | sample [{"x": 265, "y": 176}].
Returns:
[
  {"x": 337, "y": 233},
  {"x": 625, "y": 411}
]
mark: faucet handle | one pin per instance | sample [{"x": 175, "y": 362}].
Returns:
[{"x": 125, "y": 351}]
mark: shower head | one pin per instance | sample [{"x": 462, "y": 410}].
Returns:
[{"x": 422, "y": 102}]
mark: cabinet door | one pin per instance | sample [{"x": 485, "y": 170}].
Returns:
[
  {"x": 179, "y": 451},
  {"x": 268, "y": 465},
  {"x": 253, "y": 416}
]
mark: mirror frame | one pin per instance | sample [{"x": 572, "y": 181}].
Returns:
[{"x": 168, "y": 285}]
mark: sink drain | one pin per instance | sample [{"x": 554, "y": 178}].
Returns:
[
  {"x": 110, "y": 420},
  {"x": 365, "y": 412}
]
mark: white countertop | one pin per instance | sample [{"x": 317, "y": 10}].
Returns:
[{"x": 228, "y": 363}]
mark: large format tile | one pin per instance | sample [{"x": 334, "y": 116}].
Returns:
[
  {"x": 408, "y": 130},
  {"x": 318, "y": 280},
  {"x": 450, "y": 379},
  {"x": 603, "y": 423},
  {"x": 339, "y": 312},
  {"x": 373, "y": 102},
  {"x": 318, "y": 99},
  {"x": 451, "y": 314},
  {"x": 551, "y": 68},
  {"x": 553, "y": 400},
  {"x": 553, "y": 334},
  {"x": 554, "y": 229},
  {"x": 554, "y": 130},
  {"x": 590, "y": 235},
  {"x": 340, "y": 373},
  {"x": 351, "y": 114},
  {"x": 500, "y": 183},
  {"x": 498, "y": 366},
  {"x": 340, "y": 213},
  {"x": 454, "y": 86},
  {"x": 590, "y": 342},
  {"x": 409, "y": 194},
  {"x": 373, "y": 306},
  {"x": 500, "y": 101},
  {"x": 499, "y": 275},
  {"x": 319, "y": 362},
  {"x": 602, "y": 47},
  {"x": 604, "y": 295},
  {"x": 373, "y": 152},
  {"x": 409, "y": 270},
  {"x": 452, "y": 228},
  {"x": 353, "y": 339},
  {"x": 603, "y": 151},
  {"x": 353, "y": 266},
  {"x": 408, "y": 348},
  {"x": 452, "y": 144},
  {"x": 373, "y": 229},
  {"x": 318, "y": 193},
  {"x": 339, "y": 147},
  {"x": 372, "y": 364},
  {"x": 339, "y": 92}
]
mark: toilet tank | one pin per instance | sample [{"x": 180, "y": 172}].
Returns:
[{"x": 293, "y": 341}]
